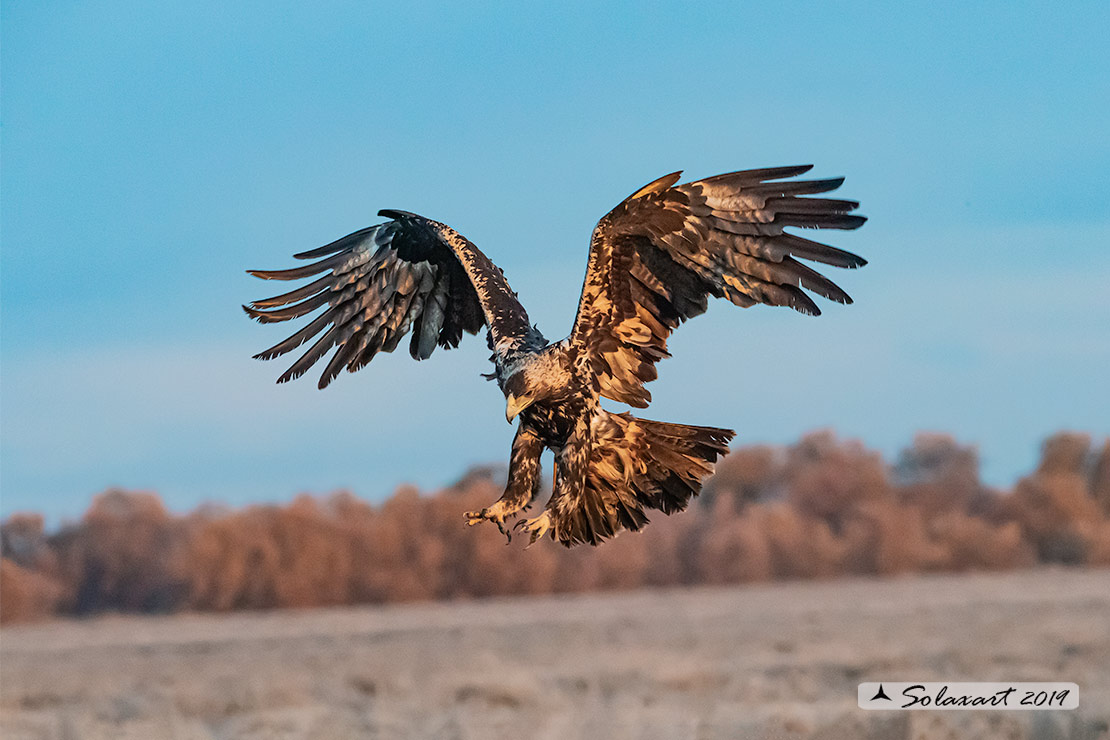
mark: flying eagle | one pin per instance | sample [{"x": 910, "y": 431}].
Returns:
[{"x": 654, "y": 261}]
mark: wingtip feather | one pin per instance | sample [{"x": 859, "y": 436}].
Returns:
[
  {"x": 395, "y": 214},
  {"x": 656, "y": 186}
]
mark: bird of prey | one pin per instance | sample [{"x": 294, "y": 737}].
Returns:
[{"x": 654, "y": 260}]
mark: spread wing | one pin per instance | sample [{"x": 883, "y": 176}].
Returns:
[
  {"x": 658, "y": 256},
  {"x": 379, "y": 283}
]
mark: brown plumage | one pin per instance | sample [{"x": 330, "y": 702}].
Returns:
[
  {"x": 654, "y": 261},
  {"x": 658, "y": 256}
]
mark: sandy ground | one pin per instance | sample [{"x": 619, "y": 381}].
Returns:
[{"x": 768, "y": 661}]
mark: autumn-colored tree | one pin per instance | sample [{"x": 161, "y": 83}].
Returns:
[
  {"x": 1100, "y": 478},
  {"x": 733, "y": 549},
  {"x": 26, "y": 594},
  {"x": 828, "y": 480},
  {"x": 974, "y": 543},
  {"x": 1055, "y": 506},
  {"x": 23, "y": 541},
  {"x": 121, "y": 556},
  {"x": 937, "y": 474},
  {"x": 819, "y": 508}
]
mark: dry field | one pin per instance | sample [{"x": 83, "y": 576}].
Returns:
[{"x": 766, "y": 661}]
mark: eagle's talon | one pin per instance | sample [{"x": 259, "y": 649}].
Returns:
[
  {"x": 476, "y": 517},
  {"x": 537, "y": 527},
  {"x": 496, "y": 514}
]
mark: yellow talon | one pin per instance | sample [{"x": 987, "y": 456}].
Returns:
[
  {"x": 537, "y": 526},
  {"x": 475, "y": 517},
  {"x": 496, "y": 514}
]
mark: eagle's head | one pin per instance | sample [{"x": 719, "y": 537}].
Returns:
[
  {"x": 519, "y": 394},
  {"x": 541, "y": 376}
]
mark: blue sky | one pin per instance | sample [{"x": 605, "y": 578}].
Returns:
[{"x": 153, "y": 151}]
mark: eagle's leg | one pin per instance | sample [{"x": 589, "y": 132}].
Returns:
[
  {"x": 523, "y": 483},
  {"x": 572, "y": 463}
]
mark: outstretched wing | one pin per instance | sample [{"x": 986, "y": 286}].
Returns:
[
  {"x": 656, "y": 257},
  {"x": 380, "y": 282}
]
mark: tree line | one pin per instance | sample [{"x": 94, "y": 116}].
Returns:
[{"x": 819, "y": 508}]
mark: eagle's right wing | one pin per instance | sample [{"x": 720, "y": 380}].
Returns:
[{"x": 380, "y": 282}]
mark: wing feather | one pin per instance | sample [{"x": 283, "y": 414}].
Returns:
[
  {"x": 409, "y": 273},
  {"x": 657, "y": 257}
]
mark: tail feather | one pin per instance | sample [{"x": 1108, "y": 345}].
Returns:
[{"x": 637, "y": 464}]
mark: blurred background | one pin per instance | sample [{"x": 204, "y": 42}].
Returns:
[{"x": 151, "y": 153}]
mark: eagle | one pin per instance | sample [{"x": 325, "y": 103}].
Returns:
[{"x": 654, "y": 261}]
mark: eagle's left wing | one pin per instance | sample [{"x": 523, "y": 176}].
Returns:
[{"x": 656, "y": 257}]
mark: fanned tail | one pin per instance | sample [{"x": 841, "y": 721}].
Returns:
[{"x": 637, "y": 464}]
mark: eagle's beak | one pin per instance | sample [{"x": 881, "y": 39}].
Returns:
[{"x": 514, "y": 406}]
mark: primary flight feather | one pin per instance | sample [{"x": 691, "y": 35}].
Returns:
[{"x": 654, "y": 261}]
